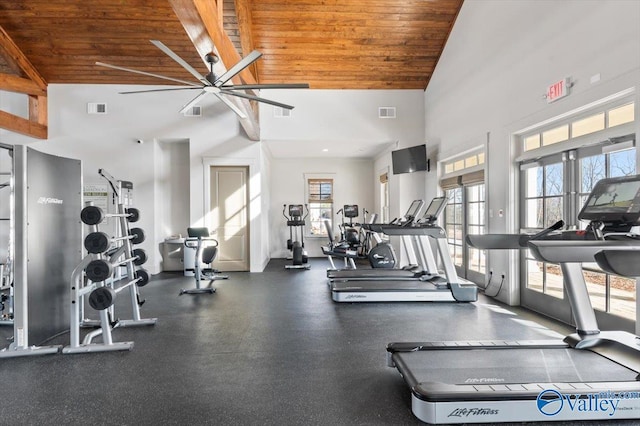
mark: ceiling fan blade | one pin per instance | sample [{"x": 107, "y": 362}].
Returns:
[
  {"x": 160, "y": 45},
  {"x": 256, "y": 98},
  {"x": 266, "y": 86},
  {"x": 159, "y": 90},
  {"x": 242, "y": 64},
  {"x": 115, "y": 67},
  {"x": 231, "y": 106},
  {"x": 193, "y": 102}
]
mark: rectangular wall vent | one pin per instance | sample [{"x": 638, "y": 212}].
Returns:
[
  {"x": 195, "y": 111},
  {"x": 281, "y": 112},
  {"x": 96, "y": 108},
  {"x": 387, "y": 112}
]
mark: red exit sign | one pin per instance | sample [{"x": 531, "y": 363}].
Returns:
[{"x": 558, "y": 90}]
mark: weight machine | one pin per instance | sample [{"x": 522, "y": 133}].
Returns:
[
  {"x": 206, "y": 248},
  {"x": 46, "y": 245}
]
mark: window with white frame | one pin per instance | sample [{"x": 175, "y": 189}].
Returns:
[
  {"x": 384, "y": 198},
  {"x": 320, "y": 204},
  {"x": 463, "y": 183},
  {"x": 597, "y": 144}
]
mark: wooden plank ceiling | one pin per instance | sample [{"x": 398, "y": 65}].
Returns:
[{"x": 329, "y": 44}]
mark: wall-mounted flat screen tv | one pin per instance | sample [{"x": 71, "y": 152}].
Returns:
[{"x": 409, "y": 160}]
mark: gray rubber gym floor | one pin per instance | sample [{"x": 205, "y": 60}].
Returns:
[{"x": 266, "y": 349}]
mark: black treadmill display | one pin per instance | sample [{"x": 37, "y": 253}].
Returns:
[
  {"x": 435, "y": 208},
  {"x": 414, "y": 208},
  {"x": 614, "y": 200}
]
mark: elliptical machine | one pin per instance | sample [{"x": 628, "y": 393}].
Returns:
[
  {"x": 296, "y": 222},
  {"x": 348, "y": 232}
]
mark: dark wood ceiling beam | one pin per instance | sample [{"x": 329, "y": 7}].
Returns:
[
  {"x": 35, "y": 87},
  {"x": 200, "y": 20}
]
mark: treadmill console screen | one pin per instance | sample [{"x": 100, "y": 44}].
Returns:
[
  {"x": 414, "y": 209},
  {"x": 614, "y": 200},
  {"x": 436, "y": 207}
]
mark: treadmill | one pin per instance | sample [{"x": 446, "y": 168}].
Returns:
[
  {"x": 412, "y": 271},
  {"x": 430, "y": 287},
  {"x": 590, "y": 375}
]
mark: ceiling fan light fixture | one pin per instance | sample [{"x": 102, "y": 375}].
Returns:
[{"x": 211, "y": 58}]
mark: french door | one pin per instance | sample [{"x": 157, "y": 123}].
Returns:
[
  {"x": 555, "y": 188},
  {"x": 465, "y": 215}
]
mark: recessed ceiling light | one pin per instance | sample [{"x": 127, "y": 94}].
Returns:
[{"x": 325, "y": 150}]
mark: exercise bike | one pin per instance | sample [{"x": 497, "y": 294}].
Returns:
[
  {"x": 296, "y": 223},
  {"x": 206, "y": 248}
]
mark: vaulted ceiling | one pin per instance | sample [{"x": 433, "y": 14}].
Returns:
[{"x": 330, "y": 44}]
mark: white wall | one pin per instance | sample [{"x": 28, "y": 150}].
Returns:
[
  {"x": 346, "y": 122},
  {"x": 109, "y": 142},
  {"x": 345, "y": 115},
  {"x": 351, "y": 182},
  {"x": 492, "y": 75}
]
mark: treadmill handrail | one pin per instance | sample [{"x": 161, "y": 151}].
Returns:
[
  {"x": 576, "y": 251},
  {"x": 619, "y": 262},
  {"x": 508, "y": 241},
  {"x": 432, "y": 231}
]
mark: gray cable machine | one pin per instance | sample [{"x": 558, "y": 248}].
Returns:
[
  {"x": 47, "y": 245},
  {"x": 6, "y": 235}
]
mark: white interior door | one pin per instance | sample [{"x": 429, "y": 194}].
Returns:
[{"x": 229, "y": 216}]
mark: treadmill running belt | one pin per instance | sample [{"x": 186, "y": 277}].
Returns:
[{"x": 508, "y": 366}]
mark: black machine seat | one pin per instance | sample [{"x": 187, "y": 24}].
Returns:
[
  {"x": 338, "y": 249},
  {"x": 208, "y": 255}
]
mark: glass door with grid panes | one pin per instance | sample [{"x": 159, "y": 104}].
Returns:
[
  {"x": 464, "y": 214},
  {"x": 555, "y": 188}
]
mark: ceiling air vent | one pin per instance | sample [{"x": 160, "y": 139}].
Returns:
[
  {"x": 195, "y": 111},
  {"x": 96, "y": 108},
  {"x": 279, "y": 112},
  {"x": 386, "y": 112}
]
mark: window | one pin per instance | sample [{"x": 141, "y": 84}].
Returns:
[
  {"x": 547, "y": 185},
  {"x": 384, "y": 198},
  {"x": 320, "y": 202},
  {"x": 467, "y": 162},
  {"x": 608, "y": 293},
  {"x": 463, "y": 183},
  {"x": 543, "y": 195},
  {"x": 581, "y": 126},
  {"x": 453, "y": 224},
  {"x": 476, "y": 226},
  {"x": 464, "y": 215}
]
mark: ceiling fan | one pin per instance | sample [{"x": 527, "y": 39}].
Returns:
[{"x": 212, "y": 84}]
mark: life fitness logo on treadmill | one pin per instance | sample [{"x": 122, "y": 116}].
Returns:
[
  {"x": 50, "y": 200},
  {"x": 550, "y": 402}
]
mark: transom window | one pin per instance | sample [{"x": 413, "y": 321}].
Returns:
[{"x": 601, "y": 120}]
